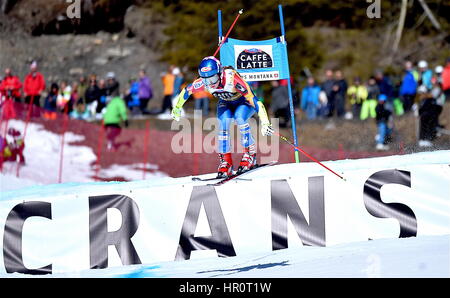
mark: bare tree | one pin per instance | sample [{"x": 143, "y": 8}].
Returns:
[
  {"x": 401, "y": 24},
  {"x": 430, "y": 15}
]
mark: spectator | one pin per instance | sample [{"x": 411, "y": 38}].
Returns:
[
  {"x": 408, "y": 87},
  {"x": 310, "y": 99},
  {"x": 80, "y": 112},
  {"x": 115, "y": 115},
  {"x": 168, "y": 80},
  {"x": 112, "y": 85},
  {"x": 357, "y": 94},
  {"x": 145, "y": 92},
  {"x": 384, "y": 85},
  {"x": 101, "y": 103},
  {"x": 323, "y": 109},
  {"x": 369, "y": 105},
  {"x": 384, "y": 123},
  {"x": 327, "y": 87},
  {"x": 280, "y": 103},
  {"x": 34, "y": 85},
  {"x": 92, "y": 95},
  {"x": 429, "y": 112},
  {"x": 178, "y": 81},
  {"x": 446, "y": 79},
  {"x": 438, "y": 74},
  {"x": 132, "y": 97},
  {"x": 50, "y": 102},
  {"x": 11, "y": 86},
  {"x": 62, "y": 102},
  {"x": 12, "y": 151},
  {"x": 340, "y": 92},
  {"x": 425, "y": 74},
  {"x": 436, "y": 90},
  {"x": 82, "y": 87},
  {"x": 75, "y": 96},
  {"x": 202, "y": 102}
]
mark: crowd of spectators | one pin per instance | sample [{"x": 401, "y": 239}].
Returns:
[{"x": 422, "y": 90}]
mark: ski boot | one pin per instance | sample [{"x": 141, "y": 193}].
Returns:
[
  {"x": 248, "y": 160},
  {"x": 226, "y": 166}
]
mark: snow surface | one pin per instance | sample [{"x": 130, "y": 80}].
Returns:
[
  {"x": 42, "y": 152},
  {"x": 426, "y": 256}
]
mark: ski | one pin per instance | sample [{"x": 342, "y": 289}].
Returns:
[
  {"x": 205, "y": 179},
  {"x": 198, "y": 179},
  {"x": 237, "y": 176}
]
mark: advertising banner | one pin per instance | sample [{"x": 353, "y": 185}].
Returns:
[
  {"x": 67, "y": 228},
  {"x": 256, "y": 60}
]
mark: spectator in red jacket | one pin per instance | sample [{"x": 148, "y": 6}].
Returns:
[
  {"x": 446, "y": 79},
  {"x": 11, "y": 86},
  {"x": 33, "y": 85}
]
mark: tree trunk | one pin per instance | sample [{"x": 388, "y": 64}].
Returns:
[{"x": 401, "y": 24}]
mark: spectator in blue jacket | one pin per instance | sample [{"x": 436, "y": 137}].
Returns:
[
  {"x": 310, "y": 99},
  {"x": 408, "y": 87},
  {"x": 425, "y": 74},
  {"x": 132, "y": 97}
]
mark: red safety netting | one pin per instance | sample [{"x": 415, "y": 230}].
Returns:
[{"x": 139, "y": 147}]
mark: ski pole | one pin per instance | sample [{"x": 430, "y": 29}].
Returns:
[
  {"x": 228, "y": 33},
  {"x": 308, "y": 155}
]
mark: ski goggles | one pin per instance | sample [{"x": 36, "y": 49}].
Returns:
[{"x": 213, "y": 80}]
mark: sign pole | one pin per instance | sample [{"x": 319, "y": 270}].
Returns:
[
  {"x": 219, "y": 23},
  {"x": 291, "y": 103}
]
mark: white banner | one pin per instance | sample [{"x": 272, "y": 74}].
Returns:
[{"x": 66, "y": 228}]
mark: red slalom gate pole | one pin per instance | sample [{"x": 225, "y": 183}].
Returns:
[
  {"x": 101, "y": 136},
  {"x": 229, "y": 31},
  {"x": 146, "y": 144},
  {"x": 308, "y": 155},
  {"x": 30, "y": 108}
]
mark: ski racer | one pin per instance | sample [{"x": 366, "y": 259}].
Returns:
[{"x": 236, "y": 101}]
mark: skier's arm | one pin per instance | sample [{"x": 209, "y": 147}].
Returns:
[
  {"x": 184, "y": 95},
  {"x": 266, "y": 129}
]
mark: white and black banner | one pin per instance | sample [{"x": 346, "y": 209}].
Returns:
[{"x": 93, "y": 226}]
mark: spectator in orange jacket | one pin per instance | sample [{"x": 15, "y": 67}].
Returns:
[
  {"x": 33, "y": 85},
  {"x": 11, "y": 86}
]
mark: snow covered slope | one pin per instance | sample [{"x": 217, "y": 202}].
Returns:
[
  {"x": 426, "y": 256},
  {"x": 290, "y": 220},
  {"x": 42, "y": 153}
]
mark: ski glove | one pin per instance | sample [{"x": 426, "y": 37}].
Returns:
[
  {"x": 176, "y": 114},
  {"x": 267, "y": 129}
]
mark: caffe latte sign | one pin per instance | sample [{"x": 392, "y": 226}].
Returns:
[{"x": 254, "y": 58}]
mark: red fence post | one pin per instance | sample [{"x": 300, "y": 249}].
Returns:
[
  {"x": 341, "y": 152},
  {"x": 146, "y": 144},
  {"x": 27, "y": 121},
  {"x": 61, "y": 155},
  {"x": 101, "y": 137},
  {"x": 8, "y": 112}
]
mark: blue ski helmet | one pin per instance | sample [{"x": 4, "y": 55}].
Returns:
[{"x": 209, "y": 67}]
